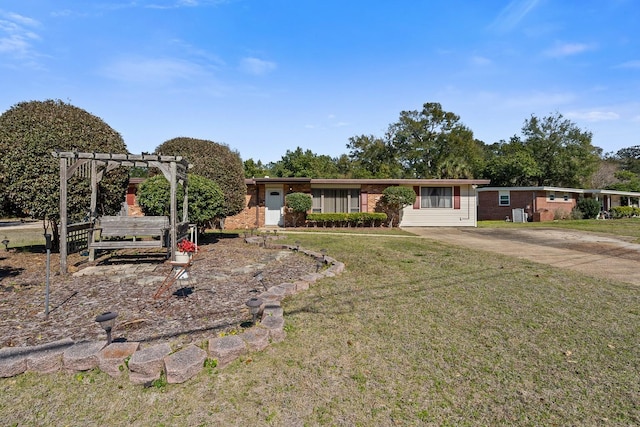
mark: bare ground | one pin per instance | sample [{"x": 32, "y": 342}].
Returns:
[
  {"x": 212, "y": 301},
  {"x": 598, "y": 255}
]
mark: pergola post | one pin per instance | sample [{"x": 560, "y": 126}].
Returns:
[
  {"x": 174, "y": 208},
  {"x": 63, "y": 215}
]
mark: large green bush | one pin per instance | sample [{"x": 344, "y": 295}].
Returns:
[
  {"x": 298, "y": 204},
  {"x": 205, "y": 199},
  {"x": 30, "y": 175},
  {"x": 216, "y": 162},
  {"x": 394, "y": 199},
  {"x": 589, "y": 207}
]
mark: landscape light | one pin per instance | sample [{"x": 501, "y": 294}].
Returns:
[
  {"x": 107, "y": 321},
  {"x": 254, "y": 308},
  {"x": 5, "y": 242}
]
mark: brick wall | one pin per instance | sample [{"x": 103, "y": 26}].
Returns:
[{"x": 530, "y": 201}]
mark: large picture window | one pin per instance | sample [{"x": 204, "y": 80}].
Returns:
[
  {"x": 436, "y": 197},
  {"x": 329, "y": 200}
]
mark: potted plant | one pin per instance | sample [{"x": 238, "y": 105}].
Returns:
[{"x": 186, "y": 248}]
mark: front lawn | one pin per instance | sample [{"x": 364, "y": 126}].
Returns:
[{"x": 415, "y": 332}]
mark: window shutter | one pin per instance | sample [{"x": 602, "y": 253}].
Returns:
[
  {"x": 416, "y": 204},
  {"x": 456, "y": 197},
  {"x": 364, "y": 202}
]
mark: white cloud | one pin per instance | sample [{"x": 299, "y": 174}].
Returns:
[
  {"x": 540, "y": 100},
  {"x": 257, "y": 66},
  {"x": 480, "y": 60},
  {"x": 152, "y": 70},
  {"x": 512, "y": 14},
  {"x": 594, "y": 116},
  {"x": 630, "y": 64},
  {"x": 17, "y": 36},
  {"x": 567, "y": 49}
]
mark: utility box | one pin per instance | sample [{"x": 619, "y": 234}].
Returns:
[{"x": 518, "y": 215}]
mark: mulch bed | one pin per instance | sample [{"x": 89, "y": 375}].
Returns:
[{"x": 212, "y": 301}]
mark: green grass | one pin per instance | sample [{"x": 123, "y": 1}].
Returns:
[
  {"x": 23, "y": 237},
  {"x": 415, "y": 332}
]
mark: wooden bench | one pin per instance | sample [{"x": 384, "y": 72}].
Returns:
[{"x": 124, "y": 232}]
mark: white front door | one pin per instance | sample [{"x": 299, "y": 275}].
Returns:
[{"x": 273, "y": 207}]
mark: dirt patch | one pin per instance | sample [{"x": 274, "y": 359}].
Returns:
[
  {"x": 589, "y": 253},
  {"x": 221, "y": 280}
]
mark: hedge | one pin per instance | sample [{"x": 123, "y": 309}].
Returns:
[
  {"x": 625, "y": 211},
  {"x": 356, "y": 219}
]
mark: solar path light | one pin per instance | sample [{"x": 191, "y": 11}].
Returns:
[
  {"x": 107, "y": 321},
  {"x": 254, "y": 307}
]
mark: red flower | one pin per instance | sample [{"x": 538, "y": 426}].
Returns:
[{"x": 186, "y": 245}]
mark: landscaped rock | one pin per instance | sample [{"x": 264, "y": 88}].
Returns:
[
  {"x": 82, "y": 356},
  {"x": 301, "y": 285},
  {"x": 312, "y": 277},
  {"x": 146, "y": 365},
  {"x": 289, "y": 288},
  {"x": 257, "y": 339},
  {"x": 13, "y": 361},
  {"x": 111, "y": 358},
  {"x": 275, "y": 326},
  {"x": 272, "y": 309},
  {"x": 184, "y": 364},
  {"x": 337, "y": 267},
  {"x": 47, "y": 358},
  {"x": 226, "y": 349}
]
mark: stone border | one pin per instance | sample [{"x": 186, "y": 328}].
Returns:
[{"x": 149, "y": 364}]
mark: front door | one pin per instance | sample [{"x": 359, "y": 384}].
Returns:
[{"x": 273, "y": 207}]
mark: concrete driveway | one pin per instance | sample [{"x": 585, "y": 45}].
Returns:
[{"x": 594, "y": 254}]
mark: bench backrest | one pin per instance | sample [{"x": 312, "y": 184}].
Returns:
[{"x": 112, "y": 226}]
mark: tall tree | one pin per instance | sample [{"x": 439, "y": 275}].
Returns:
[
  {"x": 429, "y": 142},
  {"x": 562, "y": 151},
  {"x": 630, "y": 158},
  {"x": 510, "y": 164},
  {"x": 299, "y": 163},
  {"x": 30, "y": 175},
  {"x": 216, "y": 162},
  {"x": 373, "y": 157},
  {"x": 551, "y": 151},
  {"x": 253, "y": 169}
]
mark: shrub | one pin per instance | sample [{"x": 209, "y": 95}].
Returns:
[
  {"x": 625, "y": 211},
  {"x": 358, "y": 219},
  {"x": 298, "y": 203},
  {"x": 30, "y": 175},
  {"x": 576, "y": 213},
  {"x": 394, "y": 199},
  {"x": 589, "y": 207},
  {"x": 216, "y": 162},
  {"x": 205, "y": 199}
]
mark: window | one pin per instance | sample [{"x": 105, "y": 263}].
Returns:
[
  {"x": 552, "y": 196},
  {"x": 436, "y": 197},
  {"x": 504, "y": 198},
  {"x": 328, "y": 200},
  {"x": 565, "y": 197}
]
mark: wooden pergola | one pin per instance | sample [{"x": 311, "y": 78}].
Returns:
[{"x": 174, "y": 169}]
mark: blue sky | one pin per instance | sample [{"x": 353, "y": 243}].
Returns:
[{"x": 267, "y": 76}]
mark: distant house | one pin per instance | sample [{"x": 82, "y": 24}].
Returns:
[
  {"x": 543, "y": 203},
  {"x": 439, "y": 202}
]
